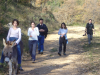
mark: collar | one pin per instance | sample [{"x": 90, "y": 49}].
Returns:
[{"x": 41, "y": 24}]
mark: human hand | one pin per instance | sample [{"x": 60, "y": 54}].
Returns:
[
  {"x": 62, "y": 34},
  {"x": 30, "y": 36},
  {"x": 41, "y": 30},
  {"x": 15, "y": 44}
]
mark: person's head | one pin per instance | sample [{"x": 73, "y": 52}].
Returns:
[
  {"x": 90, "y": 20},
  {"x": 63, "y": 25},
  {"x": 33, "y": 24},
  {"x": 15, "y": 22},
  {"x": 41, "y": 21}
]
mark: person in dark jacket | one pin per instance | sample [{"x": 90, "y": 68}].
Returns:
[
  {"x": 43, "y": 33},
  {"x": 90, "y": 30}
]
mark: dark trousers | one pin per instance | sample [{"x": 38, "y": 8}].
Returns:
[
  {"x": 32, "y": 48},
  {"x": 62, "y": 42},
  {"x": 41, "y": 43}
]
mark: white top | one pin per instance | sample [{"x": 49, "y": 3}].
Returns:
[
  {"x": 63, "y": 31},
  {"x": 14, "y": 33},
  {"x": 34, "y": 33}
]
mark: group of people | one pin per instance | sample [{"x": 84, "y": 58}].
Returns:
[{"x": 37, "y": 34}]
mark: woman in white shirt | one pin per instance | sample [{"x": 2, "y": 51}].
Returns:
[
  {"x": 14, "y": 34},
  {"x": 63, "y": 38},
  {"x": 33, "y": 34}
]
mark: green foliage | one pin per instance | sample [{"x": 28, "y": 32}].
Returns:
[
  {"x": 55, "y": 3},
  {"x": 80, "y": 2},
  {"x": 54, "y": 50},
  {"x": 77, "y": 24}
]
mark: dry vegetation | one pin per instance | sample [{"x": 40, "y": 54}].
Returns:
[
  {"x": 72, "y": 12},
  {"x": 75, "y": 11}
]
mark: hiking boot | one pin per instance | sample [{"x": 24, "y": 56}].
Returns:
[{"x": 59, "y": 54}]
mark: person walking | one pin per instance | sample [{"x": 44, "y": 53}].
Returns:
[
  {"x": 63, "y": 38},
  {"x": 90, "y": 29},
  {"x": 43, "y": 33},
  {"x": 33, "y": 34}
]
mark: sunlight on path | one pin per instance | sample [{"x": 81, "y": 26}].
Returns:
[{"x": 50, "y": 63}]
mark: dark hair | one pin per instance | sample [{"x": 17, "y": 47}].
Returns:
[
  {"x": 64, "y": 25},
  {"x": 40, "y": 19},
  {"x": 32, "y": 22},
  {"x": 16, "y": 21},
  {"x": 90, "y": 19}
]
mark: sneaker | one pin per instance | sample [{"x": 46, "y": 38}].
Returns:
[
  {"x": 33, "y": 61},
  {"x": 20, "y": 68},
  {"x": 64, "y": 53},
  {"x": 59, "y": 54},
  {"x": 38, "y": 51},
  {"x": 41, "y": 52}
]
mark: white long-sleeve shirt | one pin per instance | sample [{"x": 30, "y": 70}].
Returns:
[
  {"x": 34, "y": 33},
  {"x": 14, "y": 33}
]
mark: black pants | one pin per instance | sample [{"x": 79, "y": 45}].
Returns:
[{"x": 62, "y": 41}]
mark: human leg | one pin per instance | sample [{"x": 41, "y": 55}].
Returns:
[
  {"x": 89, "y": 41},
  {"x": 42, "y": 44},
  {"x": 64, "y": 47},
  {"x": 39, "y": 38},
  {"x": 60, "y": 46},
  {"x": 30, "y": 47},
  {"x": 34, "y": 50}
]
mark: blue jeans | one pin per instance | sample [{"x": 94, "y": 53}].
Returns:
[
  {"x": 32, "y": 48},
  {"x": 89, "y": 38},
  {"x": 40, "y": 43},
  {"x": 18, "y": 51}
]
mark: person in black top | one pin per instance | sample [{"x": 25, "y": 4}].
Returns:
[
  {"x": 43, "y": 33},
  {"x": 89, "y": 30}
]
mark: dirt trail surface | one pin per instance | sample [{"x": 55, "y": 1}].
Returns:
[{"x": 51, "y": 64}]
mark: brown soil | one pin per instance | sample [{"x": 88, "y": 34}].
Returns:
[{"x": 50, "y": 63}]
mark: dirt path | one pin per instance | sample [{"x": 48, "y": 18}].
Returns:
[{"x": 51, "y": 64}]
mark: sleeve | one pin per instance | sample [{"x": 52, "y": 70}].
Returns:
[
  {"x": 28, "y": 32},
  {"x": 38, "y": 26},
  {"x": 19, "y": 39},
  {"x": 9, "y": 32},
  {"x": 86, "y": 25},
  {"x": 66, "y": 31},
  {"x": 37, "y": 31},
  {"x": 46, "y": 29},
  {"x": 59, "y": 31},
  {"x": 93, "y": 26}
]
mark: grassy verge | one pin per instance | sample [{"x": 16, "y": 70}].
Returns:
[{"x": 93, "y": 54}]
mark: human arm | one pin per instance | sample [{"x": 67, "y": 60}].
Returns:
[
  {"x": 93, "y": 29},
  {"x": 86, "y": 27},
  {"x": 45, "y": 29},
  {"x": 29, "y": 33},
  {"x": 37, "y": 31},
  {"x": 9, "y": 32},
  {"x": 19, "y": 39}
]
